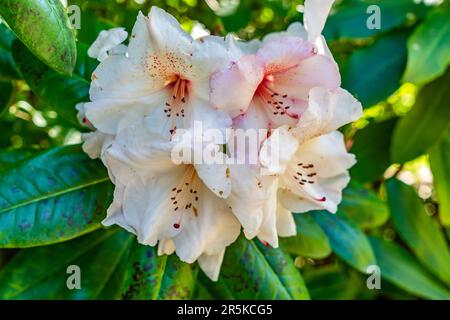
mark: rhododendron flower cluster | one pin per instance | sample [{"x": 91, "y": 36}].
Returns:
[{"x": 147, "y": 97}]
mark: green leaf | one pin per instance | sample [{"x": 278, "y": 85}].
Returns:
[
  {"x": 10, "y": 157},
  {"x": 6, "y": 90},
  {"x": 347, "y": 241},
  {"x": 382, "y": 69},
  {"x": 333, "y": 282},
  {"x": 44, "y": 28},
  {"x": 349, "y": 19},
  {"x": 8, "y": 70},
  {"x": 440, "y": 166},
  {"x": 91, "y": 25},
  {"x": 401, "y": 268},
  {"x": 310, "y": 240},
  {"x": 419, "y": 231},
  {"x": 429, "y": 47},
  {"x": 53, "y": 197},
  {"x": 41, "y": 273},
  {"x": 60, "y": 92},
  {"x": 85, "y": 65},
  {"x": 425, "y": 123},
  {"x": 371, "y": 148},
  {"x": 149, "y": 277},
  {"x": 363, "y": 207},
  {"x": 251, "y": 271}
]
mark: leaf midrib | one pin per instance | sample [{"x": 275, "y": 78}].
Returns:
[{"x": 54, "y": 194}]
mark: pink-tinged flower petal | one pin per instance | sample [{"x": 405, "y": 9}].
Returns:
[
  {"x": 328, "y": 110},
  {"x": 315, "y": 16},
  {"x": 233, "y": 88},
  {"x": 316, "y": 71},
  {"x": 295, "y": 29},
  {"x": 253, "y": 118},
  {"x": 284, "y": 53}
]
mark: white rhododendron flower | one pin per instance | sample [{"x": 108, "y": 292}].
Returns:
[
  {"x": 164, "y": 74},
  {"x": 180, "y": 205},
  {"x": 148, "y": 97}
]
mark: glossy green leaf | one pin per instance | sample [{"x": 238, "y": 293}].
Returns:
[
  {"x": 8, "y": 70},
  {"x": 333, "y": 282},
  {"x": 85, "y": 65},
  {"x": 419, "y": 231},
  {"x": 11, "y": 157},
  {"x": 252, "y": 271},
  {"x": 371, "y": 148},
  {"x": 310, "y": 240},
  {"x": 429, "y": 47},
  {"x": 440, "y": 166},
  {"x": 44, "y": 28},
  {"x": 382, "y": 69},
  {"x": 349, "y": 18},
  {"x": 425, "y": 123},
  {"x": 347, "y": 241},
  {"x": 363, "y": 207},
  {"x": 149, "y": 277},
  {"x": 60, "y": 92},
  {"x": 399, "y": 267},
  {"x": 53, "y": 197},
  {"x": 41, "y": 273}
]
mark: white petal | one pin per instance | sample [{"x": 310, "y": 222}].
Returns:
[
  {"x": 110, "y": 115},
  {"x": 306, "y": 200},
  {"x": 277, "y": 151},
  {"x": 106, "y": 41},
  {"x": 249, "y": 193},
  {"x": 96, "y": 143},
  {"x": 210, "y": 264},
  {"x": 166, "y": 247},
  {"x": 216, "y": 178},
  {"x": 317, "y": 174},
  {"x": 328, "y": 110},
  {"x": 118, "y": 77},
  {"x": 286, "y": 226},
  {"x": 268, "y": 231},
  {"x": 210, "y": 54},
  {"x": 114, "y": 214},
  {"x": 147, "y": 206},
  {"x": 210, "y": 118},
  {"x": 315, "y": 16},
  {"x": 295, "y": 29},
  {"x": 81, "y": 115},
  {"x": 138, "y": 152},
  {"x": 208, "y": 232}
]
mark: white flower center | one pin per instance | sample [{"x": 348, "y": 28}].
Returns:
[
  {"x": 185, "y": 195},
  {"x": 175, "y": 106},
  {"x": 304, "y": 173},
  {"x": 275, "y": 103}
]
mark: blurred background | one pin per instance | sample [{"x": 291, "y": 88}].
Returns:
[{"x": 395, "y": 214}]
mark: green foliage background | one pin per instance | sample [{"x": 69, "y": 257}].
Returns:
[{"x": 52, "y": 197}]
